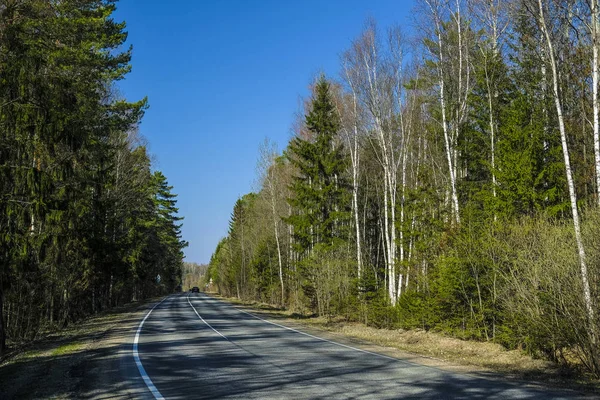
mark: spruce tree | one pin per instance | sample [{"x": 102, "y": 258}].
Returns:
[
  {"x": 320, "y": 190},
  {"x": 80, "y": 211}
]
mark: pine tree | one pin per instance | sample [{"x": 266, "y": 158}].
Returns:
[
  {"x": 530, "y": 168},
  {"x": 170, "y": 228},
  {"x": 320, "y": 190},
  {"x": 321, "y": 197},
  {"x": 83, "y": 219}
]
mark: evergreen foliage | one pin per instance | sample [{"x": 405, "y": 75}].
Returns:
[
  {"x": 86, "y": 224},
  {"x": 320, "y": 189}
]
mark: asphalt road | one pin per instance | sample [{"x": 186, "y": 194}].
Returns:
[{"x": 195, "y": 346}]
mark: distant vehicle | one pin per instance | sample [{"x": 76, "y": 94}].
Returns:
[{"x": 195, "y": 289}]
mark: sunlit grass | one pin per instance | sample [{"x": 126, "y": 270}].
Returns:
[{"x": 69, "y": 348}]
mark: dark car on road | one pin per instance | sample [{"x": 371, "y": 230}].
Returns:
[{"x": 195, "y": 289}]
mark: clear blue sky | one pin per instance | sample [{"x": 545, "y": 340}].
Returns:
[{"x": 223, "y": 75}]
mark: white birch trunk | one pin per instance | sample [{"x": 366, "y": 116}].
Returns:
[
  {"x": 276, "y": 231},
  {"x": 449, "y": 151},
  {"x": 595, "y": 28},
  {"x": 374, "y": 101},
  {"x": 449, "y": 145},
  {"x": 493, "y": 9},
  {"x": 573, "y": 196},
  {"x": 405, "y": 144},
  {"x": 492, "y": 134},
  {"x": 355, "y": 163},
  {"x": 390, "y": 229},
  {"x": 387, "y": 240}
]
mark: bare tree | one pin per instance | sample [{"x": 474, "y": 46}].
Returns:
[
  {"x": 593, "y": 28},
  {"x": 270, "y": 183},
  {"x": 377, "y": 79},
  {"x": 438, "y": 10},
  {"x": 351, "y": 120},
  {"x": 364, "y": 58}
]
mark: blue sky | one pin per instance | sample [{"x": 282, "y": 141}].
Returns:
[{"x": 223, "y": 75}]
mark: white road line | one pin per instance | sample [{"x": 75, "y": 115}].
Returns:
[
  {"x": 202, "y": 319},
  {"x": 319, "y": 338},
  {"x": 138, "y": 362}
]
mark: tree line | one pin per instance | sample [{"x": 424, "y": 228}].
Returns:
[
  {"x": 193, "y": 275},
  {"x": 448, "y": 180},
  {"x": 86, "y": 222}
]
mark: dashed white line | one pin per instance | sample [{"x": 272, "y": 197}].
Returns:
[
  {"x": 202, "y": 319},
  {"x": 138, "y": 362}
]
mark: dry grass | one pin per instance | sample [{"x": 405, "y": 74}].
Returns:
[{"x": 482, "y": 354}]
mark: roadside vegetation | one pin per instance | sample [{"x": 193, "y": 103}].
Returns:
[
  {"x": 447, "y": 182},
  {"x": 86, "y": 222}
]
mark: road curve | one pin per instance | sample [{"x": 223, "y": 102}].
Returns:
[{"x": 195, "y": 346}]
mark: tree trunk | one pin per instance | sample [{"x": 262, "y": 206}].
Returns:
[
  {"x": 492, "y": 133},
  {"x": 405, "y": 143},
  {"x": 595, "y": 28},
  {"x": 352, "y": 141},
  {"x": 355, "y": 165},
  {"x": 573, "y": 196},
  {"x": 2, "y": 326},
  {"x": 278, "y": 250},
  {"x": 385, "y": 156},
  {"x": 449, "y": 146}
]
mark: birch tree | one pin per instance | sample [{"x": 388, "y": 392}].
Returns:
[
  {"x": 595, "y": 31},
  {"x": 540, "y": 13},
  {"x": 351, "y": 121},
  {"x": 438, "y": 14},
  {"x": 377, "y": 93},
  {"x": 593, "y": 28},
  {"x": 493, "y": 17},
  {"x": 270, "y": 183}
]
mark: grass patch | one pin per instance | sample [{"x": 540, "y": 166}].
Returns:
[{"x": 67, "y": 349}]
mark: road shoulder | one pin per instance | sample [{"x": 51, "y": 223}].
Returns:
[{"x": 91, "y": 359}]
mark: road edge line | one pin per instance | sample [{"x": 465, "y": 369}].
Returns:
[
  {"x": 320, "y": 338},
  {"x": 136, "y": 356}
]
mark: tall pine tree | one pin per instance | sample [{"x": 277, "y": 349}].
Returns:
[{"x": 320, "y": 190}]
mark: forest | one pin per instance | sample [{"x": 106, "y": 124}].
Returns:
[
  {"x": 446, "y": 179},
  {"x": 86, "y": 222}
]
